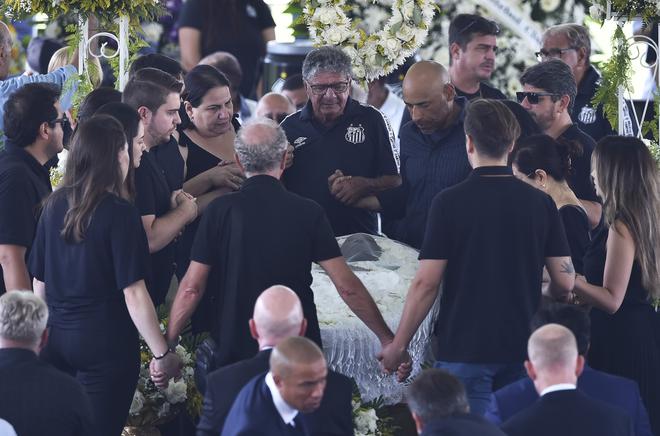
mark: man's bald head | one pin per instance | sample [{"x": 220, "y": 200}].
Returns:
[
  {"x": 277, "y": 315},
  {"x": 260, "y": 146},
  {"x": 5, "y": 50},
  {"x": 426, "y": 75},
  {"x": 553, "y": 349},
  {"x": 274, "y": 106},
  {"x": 429, "y": 96}
]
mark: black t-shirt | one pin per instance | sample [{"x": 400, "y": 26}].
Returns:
[
  {"x": 24, "y": 183},
  {"x": 282, "y": 234},
  {"x": 576, "y": 225},
  {"x": 495, "y": 232},
  {"x": 170, "y": 160},
  {"x": 153, "y": 198},
  {"x": 485, "y": 91},
  {"x": 245, "y": 41},
  {"x": 580, "y": 177},
  {"x": 361, "y": 143},
  {"x": 85, "y": 280}
]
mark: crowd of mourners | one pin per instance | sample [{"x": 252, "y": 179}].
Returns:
[{"x": 537, "y": 227}]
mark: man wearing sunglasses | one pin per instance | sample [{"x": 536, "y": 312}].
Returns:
[
  {"x": 548, "y": 94},
  {"x": 571, "y": 44},
  {"x": 335, "y": 136},
  {"x": 33, "y": 122}
]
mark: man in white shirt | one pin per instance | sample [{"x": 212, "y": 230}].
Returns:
[
  {"x": 386, "y": 101},
  {"x": 554, "y": 366}
]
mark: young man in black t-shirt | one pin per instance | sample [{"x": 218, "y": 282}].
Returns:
[{"x": 489, "y": 238}]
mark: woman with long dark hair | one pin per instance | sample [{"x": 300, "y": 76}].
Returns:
[
  {"x": 545, "y": 163},
  {"x": 622, "y": 268},
  {"x": 240, "y": 27},
  {"x": 88, "y": 260}
]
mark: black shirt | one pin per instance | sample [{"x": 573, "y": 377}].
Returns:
[
  {"x": 485, "y": 91},
  {"x": 24, "y": 183},
  {"x": 576, "y": 225},
  {"x": 429, "y": 164},
  {"x": 495, "y": 232},
  {"x": 153, "y": 198},
  {"x": 580, "y": 177},
  {"x": 170, "y": 160},
  {"x": 85, "y": 280},
  {"x": 245, "y": 40},
  {"x": 360, "y": 143},
  {"x": 282, "y": 234}
]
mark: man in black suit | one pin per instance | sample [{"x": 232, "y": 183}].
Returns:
[
  {"x": 554, "y": 365},
  {"x": 35, "y": 398},
  {"x": 277, "y": 316},
  {"x": 439, "y": 406},
  {"x": 617, "y": 391},
  {"x": 273, "y": 403}
]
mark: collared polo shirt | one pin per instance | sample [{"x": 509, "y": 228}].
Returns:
[
  {"x": 361, "y": 143},
  {"x": 495, "y": 232},
  {"x": 24, "y": 183},
  {"x": 429, "y": 164}
]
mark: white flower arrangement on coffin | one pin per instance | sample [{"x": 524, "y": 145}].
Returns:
[{"x": 377, "y": 54}]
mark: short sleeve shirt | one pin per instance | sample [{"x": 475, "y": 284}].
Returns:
[
  {"x": 360, "y": 143},
  {"x": 580, "y": 177},
  {"x": 85, "y": 280},
  {"x": 24, "y": 183},
  {"x": 495, "y": 233}
]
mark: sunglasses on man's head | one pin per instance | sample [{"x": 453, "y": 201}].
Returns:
[{"x": 533, "y": 97}]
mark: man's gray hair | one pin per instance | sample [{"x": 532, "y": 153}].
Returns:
[
  {"x": 260, "y": 145},
  {"x": 436, "y": 394},
  {"x": 23, "y": 316},
  {"x": 577, "y": 36},
  {"x": 326, "y": 59}
]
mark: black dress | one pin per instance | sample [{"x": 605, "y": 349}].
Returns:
[
  {"x": 198, "y": 161},
  {"x": 92, "y": 336},
  {"x": 576, "y": 226},
  {"x": 626, "y": 343}
]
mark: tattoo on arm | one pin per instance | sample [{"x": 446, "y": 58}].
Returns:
[{"x": 567, "y": 267}]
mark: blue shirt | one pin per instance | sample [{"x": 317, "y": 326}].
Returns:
[
  {"x": 429, "y": 164},
  {"x": 58, "y": 77}
]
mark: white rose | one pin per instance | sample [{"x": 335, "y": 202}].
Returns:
[
  {"x": 405, "y": 33},
  {"x": 333, "y": 35},
  {"x": 550, "y": 5},
  {"x": 176, "y": 391},
  {"x": 596, "y": 11},
  {"x": 407, "y": 8},
  {"x": 366, "y": 422},
  {"x": 137, "y": 404},
  {"x": 392, "y": 48},
  {"x": 359, "y": 72},
  {"x": 326, "y": 15}
]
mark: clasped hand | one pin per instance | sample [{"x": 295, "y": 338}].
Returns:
[
  {"x": 395, "y": 360},
  {"x": 348, "y": 189},
  {"x": 162, "y": 370},
  {"x": 227, "y": 174}
]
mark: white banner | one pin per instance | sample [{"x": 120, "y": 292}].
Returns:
[{"x": 509, "y": 15}]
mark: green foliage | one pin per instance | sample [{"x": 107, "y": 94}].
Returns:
[
  {"x": 105, "y": 10},
  {"x": 298, "y": 24}
]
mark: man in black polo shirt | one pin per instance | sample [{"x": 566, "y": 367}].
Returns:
[
  {"x": 488, "y": 238},
  {"x": 258, "y": 237},
  {"x": 335, "y": 135},
  {"x": 433, "y": 153},
  {"x": 571, "y": 44},
  {"x": 549, "y": 92},
  {"x": 165, "y": 211},
  {"x": 33, "y": 123},
  {"x": 472, "y": 50}
]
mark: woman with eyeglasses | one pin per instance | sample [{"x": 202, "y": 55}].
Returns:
[
  {"x": 622, "y": 268},
  {"x": 545, "y": 164},
  {"x": 89, "y": 261}
]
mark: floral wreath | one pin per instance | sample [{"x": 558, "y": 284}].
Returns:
[
  {"x": 377, "y": 54},
  {"x": 105, "y": 10}
]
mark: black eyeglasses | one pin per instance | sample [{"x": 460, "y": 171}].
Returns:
[
  {"x": 63, "y": 121},
  {"x": 552, "y": 53},
  {"x": 533, "y": 97},
  {"x": 337, "y": 88}
]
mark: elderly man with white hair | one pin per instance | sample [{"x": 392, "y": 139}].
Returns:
[
  {"x": 35, "y": 398},
  {"x": 554, "y": 366},
  {"x": 255, "y": 238}
]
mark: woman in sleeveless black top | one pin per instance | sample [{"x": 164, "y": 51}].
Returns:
[
  {"x": 545, "y": 164},
  {"x": 621, "y": 268}
]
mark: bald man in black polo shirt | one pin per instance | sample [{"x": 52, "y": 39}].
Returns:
[
  {"x": 335, "y": 135},
  {"x": 489, "y": 238}
]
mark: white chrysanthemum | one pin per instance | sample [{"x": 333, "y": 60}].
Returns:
[
  {"x": 176, "y": 391},
  {"x": 366, "y": 422},
  {"x": 137, "y": 404},
  {"x": 375, "y": 18}
]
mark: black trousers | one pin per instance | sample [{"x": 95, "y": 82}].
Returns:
[{"x": 107, "y": 364}]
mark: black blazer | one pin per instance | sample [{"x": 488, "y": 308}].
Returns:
[
  {"x": 37, "y": 399},
  {"x": 254, "y": 413},
  {"x": 569, "y": 413},
  {"x": 461, "y": 425},
  {"x": 334, "y": 416}
]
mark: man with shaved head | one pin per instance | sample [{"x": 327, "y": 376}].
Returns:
[
  {"x": 255, "y": 238},
  {"x": 277, "y": 315},
  {"x": 433, "y": 153},
  {"x": 273, "y": 403},
  {"x": 275, "y": 106},
  {"x": 554, "y": 366}
]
